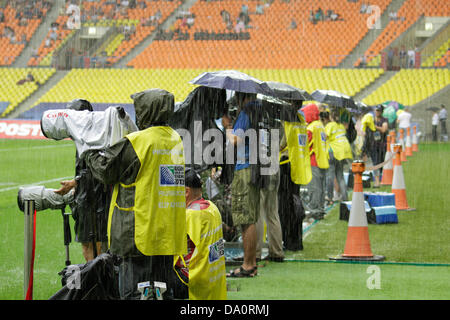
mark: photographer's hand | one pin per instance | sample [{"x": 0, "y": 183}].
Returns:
[{"x": 66, "y": 186}]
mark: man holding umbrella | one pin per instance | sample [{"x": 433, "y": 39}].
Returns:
[{"x": 245, "y": 194}]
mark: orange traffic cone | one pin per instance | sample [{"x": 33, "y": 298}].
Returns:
[
  {"x": 401, "y": 141},
  {"x": 415, "y": 142},
  {"x": 408, "y": 145},
  {"x": 357, "y": 246},
  {"x": 388, "y": 167},
  {"x": 392, "y": 134},
  {"x": 398, "y": 181}
]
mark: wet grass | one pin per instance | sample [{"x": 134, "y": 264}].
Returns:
[{"x": 420, "y": 236}]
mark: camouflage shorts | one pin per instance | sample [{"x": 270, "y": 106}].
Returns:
[{"x": 244, "y": 199}]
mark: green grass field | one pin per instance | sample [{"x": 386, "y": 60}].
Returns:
[{"x": 416, "y": 249}]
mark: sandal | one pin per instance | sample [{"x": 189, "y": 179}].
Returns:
[{"x": 242, "y": 273}]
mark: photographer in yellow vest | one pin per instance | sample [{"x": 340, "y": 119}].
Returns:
[
  {"x": 147, "y": 215},
  {"x": 202, "y": 269},
  {"x": 340, "y": 152}
]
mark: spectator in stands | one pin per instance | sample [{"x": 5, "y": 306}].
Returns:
[
  {"x": 226, "y": 18},
  {"x": 318, "y": 16},
  {"x": 244, "y": 9},
  {"x": 23, "y": 39},
  {"x": 245, "y": 19},
  {"x": 402, "y": 56},
  {"x": 411, "y": 58},
  {"x": 390, "y": 58},
  {"x": 259, "y": 8},
  {"x": 293, "y": 24},
  {"x": 434, "y": 125},
  {"x": 240, "y": 26},
  {"x": 393, "y": 16},
  {"x": 23, "y": 22},
  {"x": 363, "y": 8},
  {"x": 13, "y": 39},
  {"x": 53, "y": 35},
  {"x": 142, "y": 4},
  {"x": 190, "y": 20},
  {"x": 47, "y": 43},
  {"x": 154, "y": 20},
  {"x": 362, "y": 61},
  {"x": 2, "y": 16},
  {"x": 443, "y": 120},
  {"x": 35, "y": 53},
  {"x": 312, "y": 18}
]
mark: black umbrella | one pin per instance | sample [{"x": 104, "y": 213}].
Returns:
[
  {"x": 287, "y": 92},
  {"x": 231, "y": 80},
  {"x": 334, "y": 98},
  {"x": 435, "y": 109}
]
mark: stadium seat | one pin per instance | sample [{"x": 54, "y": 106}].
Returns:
[
  {"x": 307, "y": 46},
  {"x": 14, "y": 93},
  {"x": 410, "y": 86}
]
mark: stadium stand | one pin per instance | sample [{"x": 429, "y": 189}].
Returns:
[
  {"x": 14, "y": 88},
  {"x": 135, "y": 23},
  {"x": 114, "y": 86},
  {"x": 433, "y": 60},
  {"x": 444, "y": 61},
  {"x": 273, "y": 41},
  {"x": 49, "y": 45},
  {"x": 407, "y": 15},
  {"x": 18, "y": 23},
  {"x": 410, "y": 86}
]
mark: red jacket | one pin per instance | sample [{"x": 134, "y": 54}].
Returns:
[{"x": 311, "y": 112}]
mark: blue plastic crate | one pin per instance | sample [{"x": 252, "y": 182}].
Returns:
[{"x": 386, "y": 214}]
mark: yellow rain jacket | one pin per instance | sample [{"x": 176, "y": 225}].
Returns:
[
  {"x": 207, "y": 278},
  {"x": 367, "y": 121},
  {"x": 319, "y": 143},
  {"x": 298, "y": 151},
  {"x": 337, "y": 139},
  {"x": 155, "y": 202}
]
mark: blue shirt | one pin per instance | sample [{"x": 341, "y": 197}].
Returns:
[{"x": 242, "y": 151}]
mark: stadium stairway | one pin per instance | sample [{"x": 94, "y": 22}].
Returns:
[
  {"x": 122, "y": 63},
  {"x": 30, "y": 100},
  {"x": 371, "y": 35},
  {"x": 374, "y": 85},
  {"x": 39, "y": 35}
]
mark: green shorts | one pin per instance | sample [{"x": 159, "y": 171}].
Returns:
[{"x": 244, "y": 199}]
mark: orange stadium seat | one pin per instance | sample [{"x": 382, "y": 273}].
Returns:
[
  {"x": 408, "y": 14},
  {"x": 272, "y": 44},
  {"x": 9, "y": 51}
]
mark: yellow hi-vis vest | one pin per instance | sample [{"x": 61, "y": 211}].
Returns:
[
  {"x": 319, "y": 144},
  {"x": 367, "y": 121},
  {"x": 298, "y": 151},
  {"x": 338, "y": 140},
  {"x": 207, "y": 275},
  {"x": 159, "y": 193}
]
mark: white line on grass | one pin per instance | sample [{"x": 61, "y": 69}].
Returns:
[
  {"x": 35, "y": 183},
  {"x": 39, "y": 147}
]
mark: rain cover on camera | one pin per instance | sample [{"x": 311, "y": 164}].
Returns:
[{"x": 89, "y": 130}]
